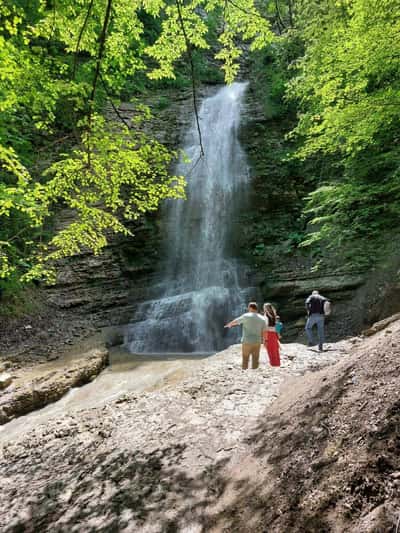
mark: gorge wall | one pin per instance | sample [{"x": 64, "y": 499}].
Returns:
[
  {"x": 104, "y": 291},
  {"x": 285, "y": 272}
]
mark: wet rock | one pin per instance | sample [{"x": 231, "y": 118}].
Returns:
[
  {"x": 5, "y": 380},
  {"x": 31, "y": 394},
  {"x": 3, "y": 417},
  {"x": 4, "y": 366}
]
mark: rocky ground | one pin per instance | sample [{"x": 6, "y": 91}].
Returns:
[
  {"x": 290, "y": 449},
  {"x": 326, "y": 455},
  {"x": 41, "y": 336}
]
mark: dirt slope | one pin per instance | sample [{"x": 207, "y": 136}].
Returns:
[
  {"x": 285, "y": 450},
  {"x": 326, "y": 455}
]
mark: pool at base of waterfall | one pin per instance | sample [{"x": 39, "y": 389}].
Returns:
[
  {"x": 203, "y": 285},
  {"x": 126, "y": 374}
]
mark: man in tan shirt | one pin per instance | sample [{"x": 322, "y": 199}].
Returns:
[{"x": 253, "y": 326}]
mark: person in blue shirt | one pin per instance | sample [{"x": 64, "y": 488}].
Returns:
[{"x": 278, "y": 326}]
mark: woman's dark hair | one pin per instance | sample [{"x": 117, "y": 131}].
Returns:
[{"x": 270, "y": 312}]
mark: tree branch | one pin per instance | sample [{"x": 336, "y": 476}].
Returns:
[
  {"x": 224, "y": 16},
  {"x": 115, "y": 108},
  {"x": 102, "y": 43},
  {"x": 53, "y": 27},
  {"x": 89, "y": 10},
  {"x": 190, "y": 57},
  {"x": 291, "y": 18},
  {"x": 279, "y": 16},
  {"x": 252, "y": 13}
]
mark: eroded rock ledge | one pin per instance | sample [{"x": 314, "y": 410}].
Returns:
[{"x": 29, "y": 392}]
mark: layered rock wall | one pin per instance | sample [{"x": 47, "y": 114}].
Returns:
[{"x": 105, "y": 290}]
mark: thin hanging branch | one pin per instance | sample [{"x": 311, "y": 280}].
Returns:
[
  {"x": 115, "y": 108},
  {"x": 53, "y": 27},
  {"x": 192, "y": 75},
  {"x": 291, "y": 18},
  {"x": 78, "y": 43},
  {"x": 243, "y": 10},
  {"x": 224, "y": 16},
  {"x": 102, "y": 43},
  {"x": 279, "y": 16}
]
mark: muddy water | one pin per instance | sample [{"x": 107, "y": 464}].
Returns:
[{"x": 126, "y": 373}]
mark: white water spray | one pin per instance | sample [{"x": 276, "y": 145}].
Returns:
[{"x": 201, "y": 284}]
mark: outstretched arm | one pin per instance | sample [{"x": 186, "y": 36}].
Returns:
[{"x": 231, "y": 324}]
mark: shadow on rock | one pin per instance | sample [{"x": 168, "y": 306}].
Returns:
[{"x": 118, "y": 491}]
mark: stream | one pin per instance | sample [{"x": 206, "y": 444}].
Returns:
[
  {"x": 203, "y": 286},
  {"x": 126, "y": 373}
]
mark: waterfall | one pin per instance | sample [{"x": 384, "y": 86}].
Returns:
[{"x": 201, "y": 286}]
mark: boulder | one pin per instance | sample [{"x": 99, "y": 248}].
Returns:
[
  {"x": 5, "y": 380},
  {"x": 382, "y": 324}
]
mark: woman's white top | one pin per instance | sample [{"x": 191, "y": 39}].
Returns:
[{"x": 269, "y": 328}]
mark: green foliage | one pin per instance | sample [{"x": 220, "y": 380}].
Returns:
[
  {"x": 348, "y": 79},
  {"x": 271, "y": 74},
  {"x": 331, "y": 80},
  {"x": 20, "y": 210},
  {"x": 117, "y": 171},
  {"x": 355, "y": 217},
  {"x": 336, "y": 66},
  {"x": 186, "y": 27},
  {"x": 162, "y": 103},
  {"x": 348, "y": 87},
  {"x": 59, "y": 64},
  {"x": 17, "y": 300}
]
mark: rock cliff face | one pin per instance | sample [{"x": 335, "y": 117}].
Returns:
[
  {"x": 284, "y": 272},
  {"x": 93, "y": 292},
  {"x": 105, "y": 290}
]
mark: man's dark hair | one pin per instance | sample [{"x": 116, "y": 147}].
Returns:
[{"x": 253, "y": 305}]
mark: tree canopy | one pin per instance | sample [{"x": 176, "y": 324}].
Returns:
[
  {"x": 60, "y": 63},
  {"x": 347, "y": 88},
  {"x": 333, "y": 65}
]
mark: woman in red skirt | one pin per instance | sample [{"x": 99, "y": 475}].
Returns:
[{"x": 271, "y": 337}]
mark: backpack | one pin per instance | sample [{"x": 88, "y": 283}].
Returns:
[
  {"x": 315, "y": 304},
  {"x": 327, "y": 308}
]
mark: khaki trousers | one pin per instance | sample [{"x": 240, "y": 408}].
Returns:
[{"x": 254, "y": 351}]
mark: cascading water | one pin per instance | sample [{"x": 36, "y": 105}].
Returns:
[{"x": 201, "y": 284}]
